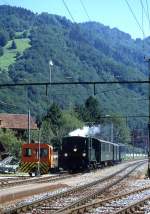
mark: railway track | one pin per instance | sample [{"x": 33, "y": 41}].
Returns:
[
  {"x": 139, "y": 207},
  {"x": 74, "y": 196},
  {"x": 6, "y": 180},
  {"x": 5, "y": 183},
  {"x": 116, "y": 204},
  {"x": 21, "y": 180}
]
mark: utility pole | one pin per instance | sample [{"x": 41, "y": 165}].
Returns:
[
  {"x": 112, "y": 132},
  {"x": 50, "y": 71},
  {"x": 133, "y": 144},
  {"x": 39, "y": 151},
  {"x": 29, "y": 126},
  {"x": 148, "y": 171}
]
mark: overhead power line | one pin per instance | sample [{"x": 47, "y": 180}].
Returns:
[
  {"x": 142, "y": 6},
  {"x": 144, "y": 9},
  {"x": 85, "y": 10},
  {"x": 148, "y": 13},
  {"x": 134, "y": 16},
  {"x": 75, "y": 83},
  {"x": 68, "y": 10}
]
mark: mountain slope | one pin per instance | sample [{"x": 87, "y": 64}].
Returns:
[{"x": 84, "y": 52}]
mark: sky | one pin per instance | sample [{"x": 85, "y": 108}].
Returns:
[{"x": 112, "y": 13}]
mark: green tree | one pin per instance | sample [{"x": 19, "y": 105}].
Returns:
[
  {"x": 3, "y": 38},
  {"x": 46, "y": 132},
  {"x": 11, "y": 34},
  {"x": 70, "y": 122},
  {"x": 121, "y": 131},
  {"x": 55, "y": 118},
  {"x": 92, "y": 108},
  {"x": 57, "y": 124},
  {"x": 11, "y": 143},
  {"x": 90, "y": 112},
  {"x": 13, "y": 45},
  {"x": 1, "y": 51}
]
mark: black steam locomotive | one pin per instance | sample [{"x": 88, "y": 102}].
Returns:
[{"x": 85, "y": 153}]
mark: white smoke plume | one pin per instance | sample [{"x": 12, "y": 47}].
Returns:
[{"x": 86, "y": 131}]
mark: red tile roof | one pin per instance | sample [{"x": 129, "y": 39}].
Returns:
[{"x": 16, "y": 121}]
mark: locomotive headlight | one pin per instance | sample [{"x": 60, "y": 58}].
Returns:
[
  {"x": 66, "y": 154},
  {"x": 83, "y": 154},
  {"x": 75, "y": 149}
]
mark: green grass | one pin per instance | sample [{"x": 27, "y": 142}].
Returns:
[{"x": 9, "y": 56}]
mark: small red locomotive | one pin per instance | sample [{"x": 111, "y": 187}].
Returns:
[{"x": 38, "y": 159}]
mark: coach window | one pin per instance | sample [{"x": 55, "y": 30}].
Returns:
[
  {"x": 103, "y": 147},
  {"x": 27, "y": 152}
]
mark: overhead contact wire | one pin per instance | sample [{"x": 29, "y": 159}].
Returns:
[
  {"x": 134, "y": 16},
  {"x": 143, "y": 10},
  {"x": 68, "y": 10},
  {"x": 147, "y": 6},
  {"x": 85, "y": 10}
]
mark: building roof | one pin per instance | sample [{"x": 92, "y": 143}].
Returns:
[{"x": 16, "y": 121}]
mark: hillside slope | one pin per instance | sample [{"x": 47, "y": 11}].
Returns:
[{"x": 80, "y": 52}]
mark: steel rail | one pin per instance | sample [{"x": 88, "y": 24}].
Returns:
[
  {"x": 89, "y": 206},
  {"x": 35, "y": 180},
  {"x": 97, "y": 193},
  {"x": 133, "y": 207},
  {"x": 48, "y": 199}
]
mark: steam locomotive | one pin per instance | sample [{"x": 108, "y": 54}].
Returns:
[{"x": 85, "y": 153}]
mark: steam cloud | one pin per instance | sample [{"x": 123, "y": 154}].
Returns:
[{"x": 86, "y": 131}]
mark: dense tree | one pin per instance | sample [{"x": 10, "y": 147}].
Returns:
[
  {"x": 1, "y": 51},
  {"x": 46, "y": 132},
  {"x": 86, "y": 52},
  {"x": 117, "y": 125},
  {"x": 55, "y": 118},
  {"x": 58, "y": 123},
  {"x": 90, "y": 111},
  {"x": 11, "y": 34},
  {"x": 12, "y": 144},
  {"x": 92, "y": 108},
  {"x": 13, "y": 45},
  {"x": 3, "y": 37}
]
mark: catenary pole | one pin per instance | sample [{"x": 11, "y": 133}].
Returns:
[
  {"x": 149, "y": 119},
  {"x": 148, "y": 61},
  {"x": 29, "y": 126}
]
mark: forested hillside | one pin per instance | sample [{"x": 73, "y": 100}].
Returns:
[{"x": 80, "y": 52}]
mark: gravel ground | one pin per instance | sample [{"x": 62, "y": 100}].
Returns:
[
  {"x": 135, "y": 181},
  {"x": 77, "y": 181}
]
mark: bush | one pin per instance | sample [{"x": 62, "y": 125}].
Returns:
[
  {"x": 1, "y": 51},
  {"x": 13, "y": 46},
  {"x": 11, "y": 143},
  {"x": 3, "y": 38}
]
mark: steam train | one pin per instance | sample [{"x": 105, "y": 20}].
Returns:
[
  {"x": 85, "y": 153},
  {"x": 76, "y": 154}
]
